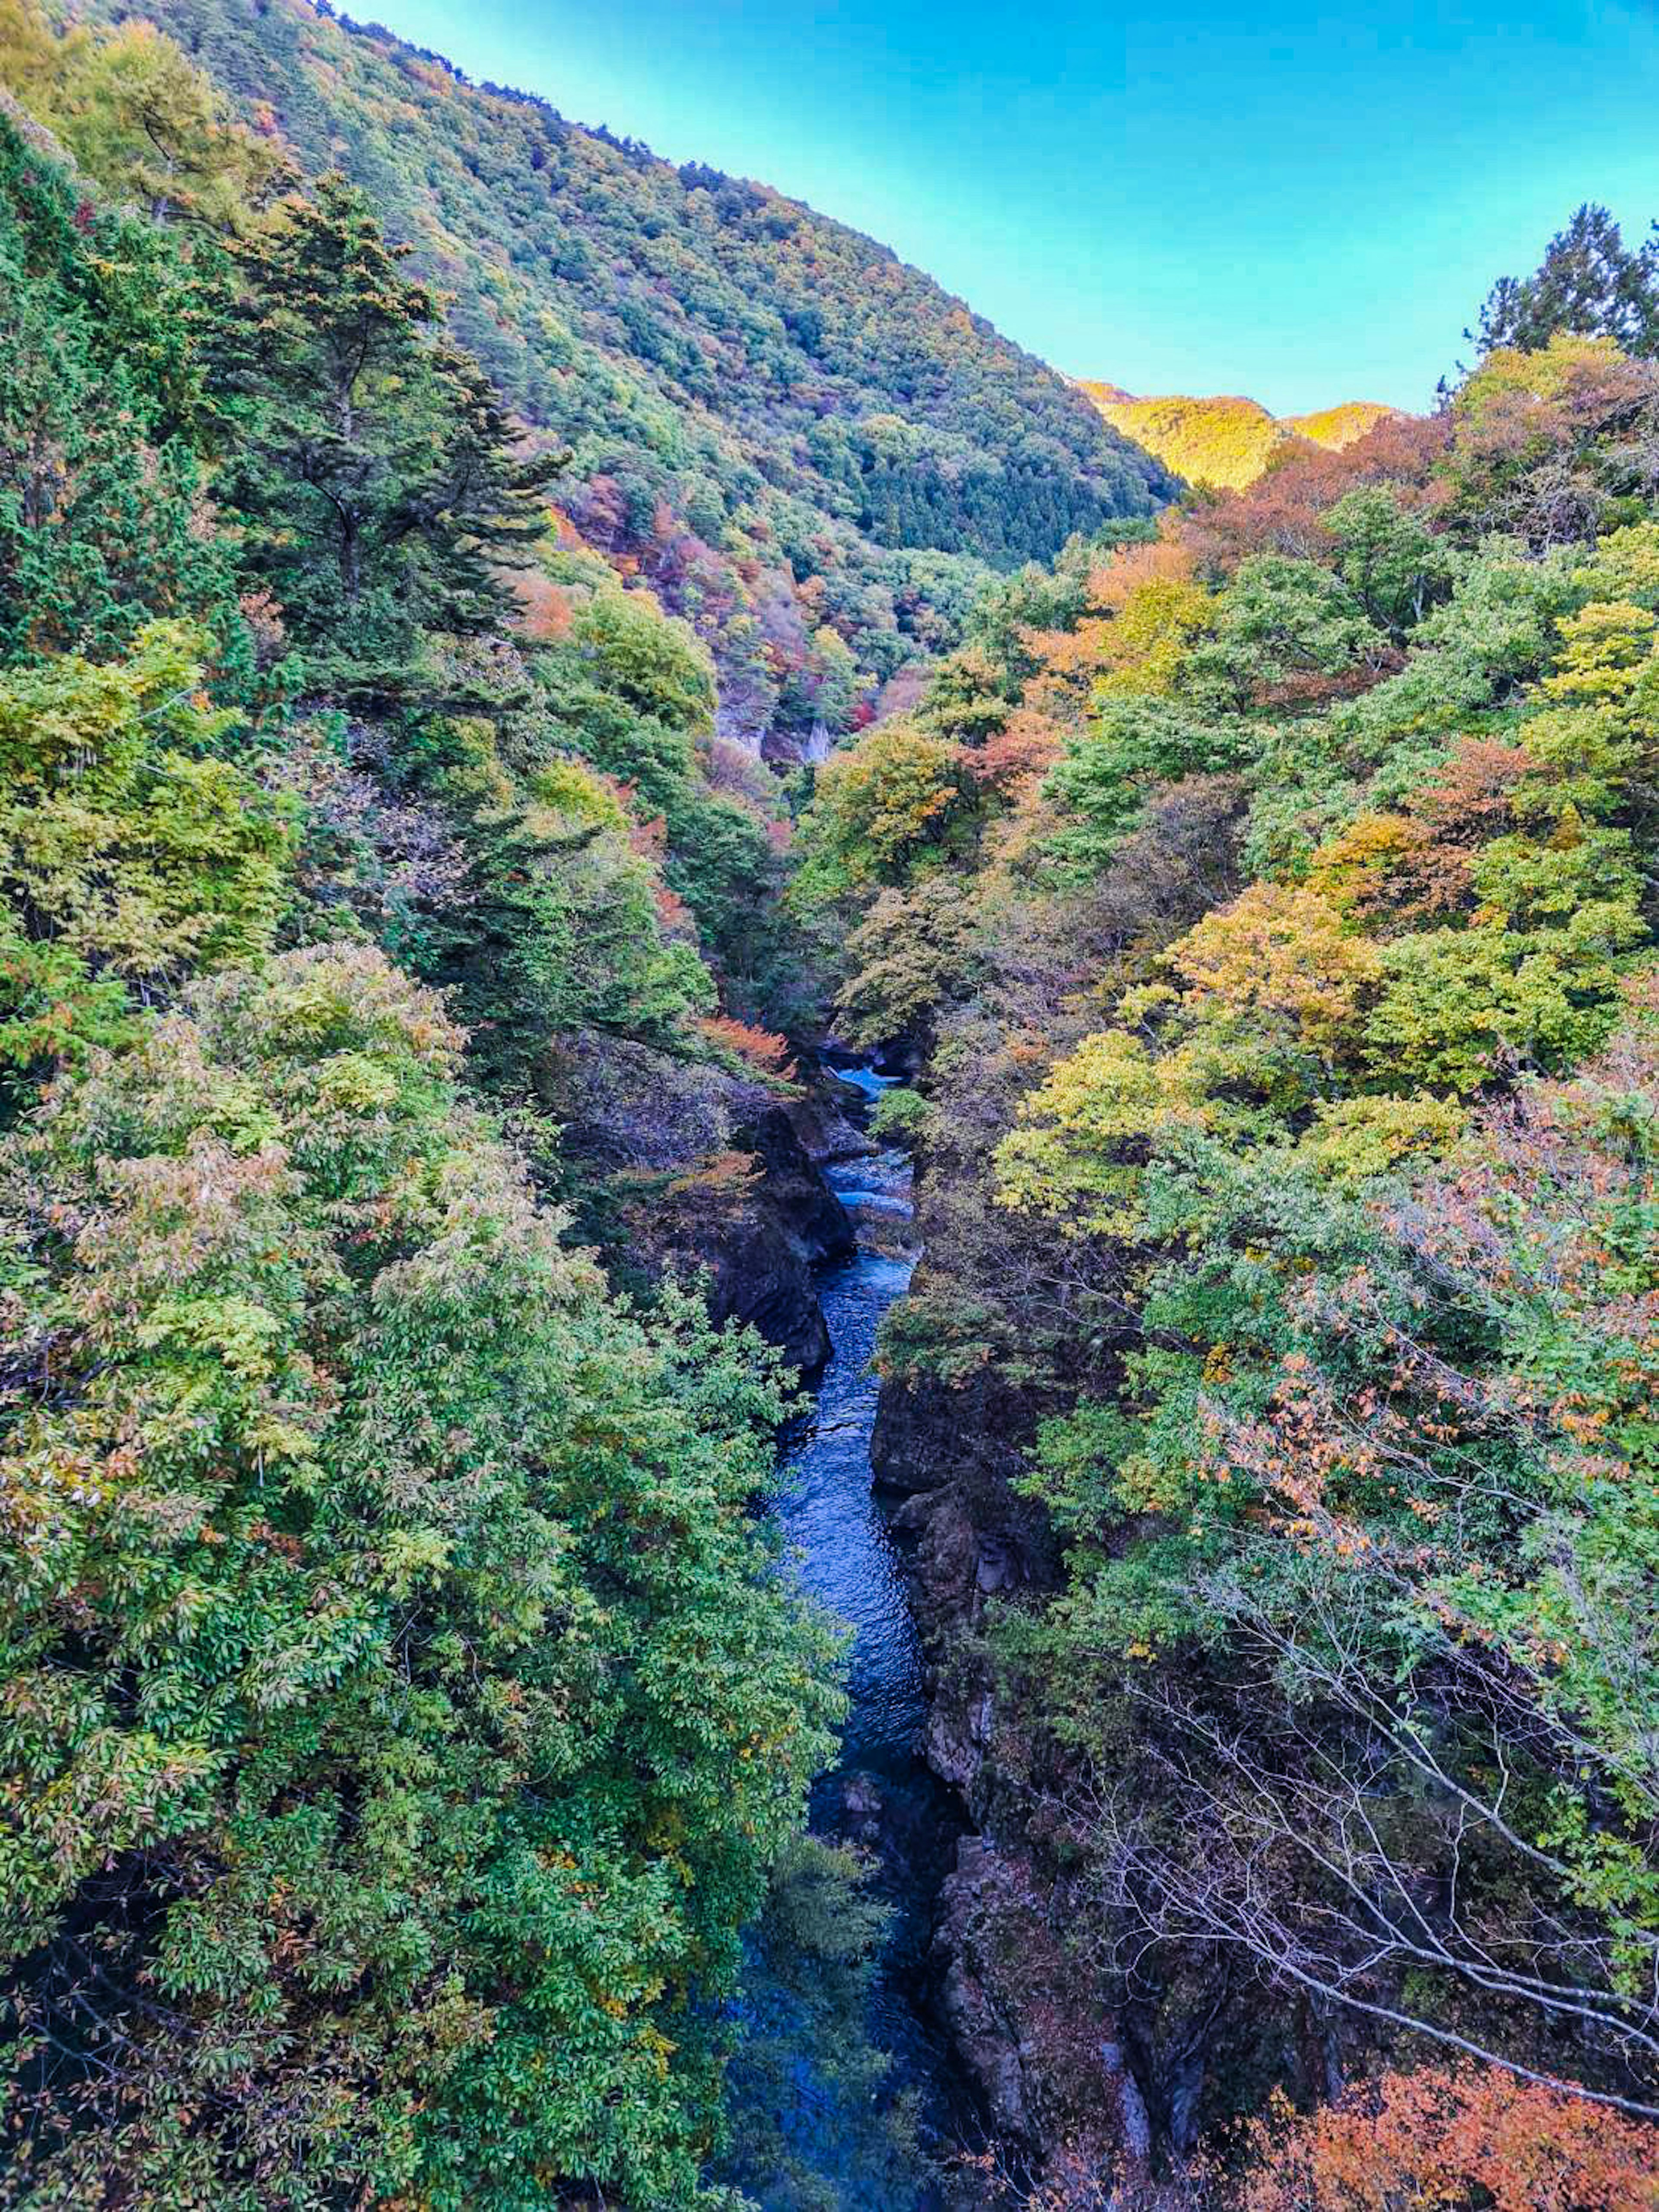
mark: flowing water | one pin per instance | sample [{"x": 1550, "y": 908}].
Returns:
[{"x": 881, "y": 1793}]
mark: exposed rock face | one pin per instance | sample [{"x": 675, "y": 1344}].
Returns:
[
  {"x": 1047, "y": 2059},
  {"x": 712, "y": 1178},
  {"x": 762, "y": 1237},
  {"x": 1059, "y": 2073},
  {"x": 820, "y": 1119},
  {"x": 757, "y": 1269},
  {"x": 1079, "y": 2080},
  {"x": 809, "y": 1209}
]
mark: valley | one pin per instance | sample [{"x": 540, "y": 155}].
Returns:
[{"x": 829, "y": 1200}]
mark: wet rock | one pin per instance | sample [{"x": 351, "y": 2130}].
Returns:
[
  {"x": 759, "y": 1273},
  {"x": 710, "y": 1176},
  {"x": 884, "y": 1230},
  {"x": 863, "y": 1810},
  {"x": 987, "y": 2051},
  {"x": 909, "y": 1448},
  {"x": 944, "y": 1563},
  {"x": 809, "y": 1209},
  {"x": 999, "y": 1567},
  {"x": 958, "y": 1739},
  {"x": 822, "y": 1119},
  {"x": 1047, "y": 2058}
]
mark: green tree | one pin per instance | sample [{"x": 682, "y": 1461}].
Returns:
[
  {"x": 1589, "y": 284},
  {"x": 402, "y": 1701},
  {"x": 130, "y": 857},
  {"x": 375, "y": 477},
  {"x": 100, "y": 490}
]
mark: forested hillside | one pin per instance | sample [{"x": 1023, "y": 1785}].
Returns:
[
  {"x": 1228, "y": 442},
  {"x": 1265, "y": 916},
  {"x": 812, "y": 450}
]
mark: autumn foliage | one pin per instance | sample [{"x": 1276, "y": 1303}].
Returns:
[
  {"x": 763, "y": 1048},
  {"x": 1471, "y": 2139}
]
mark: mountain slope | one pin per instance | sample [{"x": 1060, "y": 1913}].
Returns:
[
  {"x": 1342, "y": 425},
  {"x": 1226, "y": 439},
  {"x": 805, "y": 444}
]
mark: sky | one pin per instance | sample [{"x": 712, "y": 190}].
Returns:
[{"x": 1303, "y": 204}]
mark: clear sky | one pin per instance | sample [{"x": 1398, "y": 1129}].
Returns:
[{"x": 1302, "y": 204}]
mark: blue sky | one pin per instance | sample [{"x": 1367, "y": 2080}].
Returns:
[{"x": 1306, "y": 205}]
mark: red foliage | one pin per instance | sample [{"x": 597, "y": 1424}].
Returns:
[
  {"x": 1471, "y": 2140},
  {"x": 1283, "y": 511},
  {"x": 648, "y": 839},
  {"x": 763, "y": 1048},
  {"x": 544, "y": 609},
  {"x": 1168, "y": 559},
  {"x": 1309, "y": 688},
  {"x": 1030, "y": 743},
  {"x": 672, "y": 910},
  {"x": 1469, "y": 800}
]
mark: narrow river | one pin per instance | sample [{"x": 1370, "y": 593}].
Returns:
[{"x": 881, "y": 1793}]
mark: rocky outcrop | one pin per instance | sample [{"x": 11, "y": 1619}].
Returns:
[
  {"x": 1047, "y": 2059},
  {"x": 795, "y": 1187},
  {"x": 709, "y": 1178},
  {"x": 756, "y": 1268},
  {"x": 821, "y": 1119},
  {"x": 1079, "y": 2079}
]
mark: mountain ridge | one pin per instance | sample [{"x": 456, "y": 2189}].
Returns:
[{"x": 1227, "y": 439}]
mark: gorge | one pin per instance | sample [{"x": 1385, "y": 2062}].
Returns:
[{"x": 828, "y": 1230}]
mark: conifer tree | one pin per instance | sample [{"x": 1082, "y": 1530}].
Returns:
[
  {"x": 373, "y": 471},
  {"x": 100, "y": 496},
  {"x": 1590, "y": 284}
]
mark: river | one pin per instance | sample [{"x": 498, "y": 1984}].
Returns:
[{"x": 881, "y": 1793}]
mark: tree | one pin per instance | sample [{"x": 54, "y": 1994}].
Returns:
[
  {"x": 402, "y": 1701},
  {"x": 1451, "y": 2140},
  {"x": 100, "y": 489},
  {"x": 879, "y": 807},
  {"x": 130, "y": 857},
  {"x": 375, "y": 474},
  {"x": 1590, "y": 284},
  {"x": 140, "y": 120}
]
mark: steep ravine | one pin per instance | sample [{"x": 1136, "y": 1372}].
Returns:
[{"x": 882, "y": 1794}]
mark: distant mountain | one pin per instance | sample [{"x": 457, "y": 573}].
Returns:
[
  {"x": 1226, "y": 441},
  {"x": 805, "y": 445}
]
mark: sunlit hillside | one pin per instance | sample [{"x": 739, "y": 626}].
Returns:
[
  {"x": 1339, "y": 425},
  {"x": 1226, "y": 441}
]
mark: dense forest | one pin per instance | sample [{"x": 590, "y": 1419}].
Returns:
[
  {"x": 439, "y": 545},
  {"x": 1265, "y": 915},
  {"x": 402, "y": 1712}
]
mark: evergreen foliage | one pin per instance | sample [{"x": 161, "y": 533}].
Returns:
[
  {"x": 100, "y": 481},
  {"x": 371, "y": 470},
  {"x": 1590, "y": 284}
]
